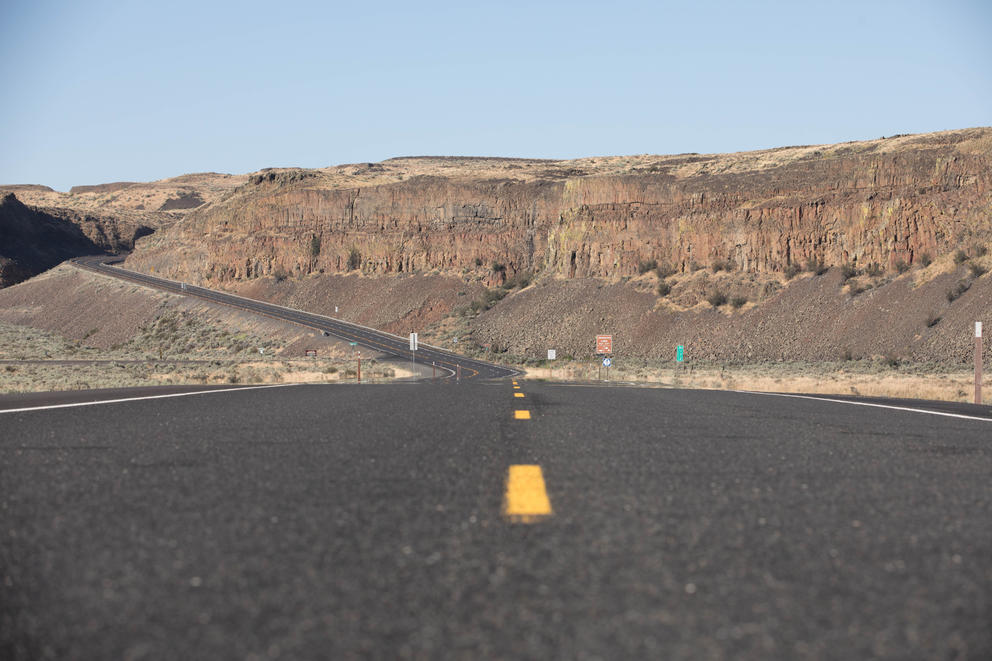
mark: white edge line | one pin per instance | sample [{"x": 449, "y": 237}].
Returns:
[
  {"x": 818, "y": 399},
  {"x": 136, "y": 399},
  {"x": 847, "y": 401}
]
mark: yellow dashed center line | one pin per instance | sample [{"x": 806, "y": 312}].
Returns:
[
  {"x": 518, "y": 394},
  {"x": 521, "y": 415},
  {"x": 526, "y": 499}
]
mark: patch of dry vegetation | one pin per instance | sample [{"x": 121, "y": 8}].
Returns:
[
  {"x": 194, "y": 353},
  {"x": 868, "y": 378}
]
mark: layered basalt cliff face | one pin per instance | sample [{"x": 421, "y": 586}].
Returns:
[{"x": 880, "y": 202}]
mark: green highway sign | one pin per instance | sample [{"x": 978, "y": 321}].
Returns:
[{"x": 679, "y": 354}]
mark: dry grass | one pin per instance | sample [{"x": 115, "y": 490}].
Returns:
[
  {"x": 194, "y": 353},
  {"x": 865, "y": 378}
]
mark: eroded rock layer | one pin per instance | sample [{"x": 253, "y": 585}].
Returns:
[{"x": 880, "y": 202}]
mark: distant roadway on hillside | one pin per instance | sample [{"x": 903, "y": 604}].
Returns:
[{"x": 447, "y": 362}]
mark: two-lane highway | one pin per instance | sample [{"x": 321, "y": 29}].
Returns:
[
  {"x": 455, "y": 365},
  {"x": 494, "y": 520}
]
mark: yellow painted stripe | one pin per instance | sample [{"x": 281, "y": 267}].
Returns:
[
  {"x": 521, "y": 415},
  {"x": 514, "y": 383},
  {"x": 516, "y": 387},
  {"x": 518, "y": 394},
  {"x": 526, "y": 499}
]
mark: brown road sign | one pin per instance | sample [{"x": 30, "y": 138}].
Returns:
[{"x": 604, "y": 344}]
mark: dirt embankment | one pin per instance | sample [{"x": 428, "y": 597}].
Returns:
[
  {"x": 109, "y": 314},
  {"x": 906, "y": 317}
]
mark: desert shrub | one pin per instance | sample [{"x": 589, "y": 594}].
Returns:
[
  {"x": 716, "y": 298},
  {"x": 721, "y": 265},
  {"x": 960, "y": 257},
  {"x": 499, "y": 268},
  {"x": 665, "y": 270},
  {"x": 791, "y": 271},
  {"x": 314, "y": 245},
  {"x": 664, "y": 289},
  {"x": 521, "y": 280},
  {"x": 738, "y": 301},
  {"x": 977, "y": 270},
  {"x": 925, "y": 259},
  {"x": 890, "y": 360},
  {"x": 901, "y": 266},
  {"x": 932, "y": 320},
  {"x": 279, "y": 274},
  {"x": 354, "y": 259},
  {"x": 814, "y": 265},
  {"x": 846, "y": 354},
  {"x": 488, "y": 299},
  {"x": 478, "y": 261},
  {"x": 874, "y": 270},
  {"x": 980, "y": 250},
  {"x": 848, "y": 271},
  {"x": 854, "y": 289},
  {"x": 646, "y": 265},
  {"x": 955, "y": 293},
  {"x": 694, "y": 266}
]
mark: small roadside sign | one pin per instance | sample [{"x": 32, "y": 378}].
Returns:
[
  {"x": 604, "y": 344},
  {"x": 679, "y": 353},
  {"x": 354, "y": 344},
  {"x": 311, "y": 353},
  {"x": 413, "y": 341},
  {"x": 607, "y": 362},
  {"x": 552, "y": 354}
]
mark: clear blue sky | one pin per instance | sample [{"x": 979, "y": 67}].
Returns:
[{"x": 106, "y": 91}]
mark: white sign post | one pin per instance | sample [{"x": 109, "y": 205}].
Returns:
[
  {"x": 978, "y": 362},
  {"x": 413, "y": 351},
  {"x": 552, "y": 354}
]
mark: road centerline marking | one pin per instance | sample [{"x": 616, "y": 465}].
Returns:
[
  {"x": 526, "y": 497},
  {"x": 521, "y": 414},
  {"x": 518, "y": 394}
]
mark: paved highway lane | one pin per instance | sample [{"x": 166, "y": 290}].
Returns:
[
  {"x": 455, "y": 365},
  {"x": 371, "y": 521}
]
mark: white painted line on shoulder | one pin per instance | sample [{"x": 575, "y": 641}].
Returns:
[
  {"x": 136, "y": 399},
  {"x": 873, "y": 404}
]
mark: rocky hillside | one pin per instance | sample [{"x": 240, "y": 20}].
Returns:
[
  {"x": 41, "y": 227},
  {"x": 878, "y": 202},
  {"x": 33, "y": 240},
  {"x": 148, "y": 201}
]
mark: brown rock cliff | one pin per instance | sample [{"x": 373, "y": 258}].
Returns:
[{"x": 867, "y": 202}]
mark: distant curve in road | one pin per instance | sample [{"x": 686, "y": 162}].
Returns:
[{"x": 363, "y": 336}]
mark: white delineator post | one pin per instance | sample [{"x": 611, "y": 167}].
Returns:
[{"x": 978, "y": 362}]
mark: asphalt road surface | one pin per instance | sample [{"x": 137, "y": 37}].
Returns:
[
  {"x": 457, "y": 366},
  {"x": 464, "y": 522}
]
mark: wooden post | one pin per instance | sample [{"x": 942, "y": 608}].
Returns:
[
  {"x": 978, "y": 362},
  {"x": 359, "y": 366}
]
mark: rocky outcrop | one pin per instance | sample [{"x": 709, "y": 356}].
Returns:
[
  {"x": 878, "y": 202},
  {"x": 33, "y": 240}
]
